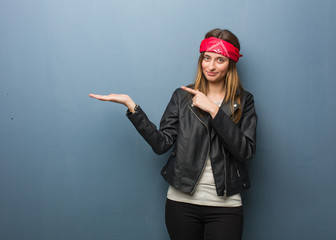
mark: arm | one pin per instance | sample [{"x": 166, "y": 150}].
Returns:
[
  {"x": 239, "y": 141},
  {"x": 160, "y": 140}
]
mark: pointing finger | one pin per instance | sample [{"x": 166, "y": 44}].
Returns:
[{"x": 190, "y": 90}]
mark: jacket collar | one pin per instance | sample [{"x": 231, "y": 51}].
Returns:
[{"x": 227, "y": 109}]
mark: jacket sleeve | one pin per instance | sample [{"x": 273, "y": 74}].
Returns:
[
  {"x": 239, "y": 141},
  {"x": 159, "y": 139}
]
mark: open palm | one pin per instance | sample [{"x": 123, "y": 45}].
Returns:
[{"x": 117, "y": 98}]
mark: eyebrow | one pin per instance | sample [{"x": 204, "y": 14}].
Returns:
[{"x": 206, "y": 55}]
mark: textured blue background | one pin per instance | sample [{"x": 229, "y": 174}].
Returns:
[{"x": 72, "y": 167}]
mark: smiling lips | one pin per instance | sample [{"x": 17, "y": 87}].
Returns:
[{"x": 211, "y": 73}]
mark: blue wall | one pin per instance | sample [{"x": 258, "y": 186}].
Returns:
[{"x": 72, "y": 167}]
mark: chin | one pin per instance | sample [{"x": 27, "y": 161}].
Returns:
[{"x": 215, "y": 80}]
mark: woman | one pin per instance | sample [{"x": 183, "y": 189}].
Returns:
[{"x": 212, "y": 126}]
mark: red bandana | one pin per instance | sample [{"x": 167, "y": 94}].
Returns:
[{"x": 220, "y": 46}]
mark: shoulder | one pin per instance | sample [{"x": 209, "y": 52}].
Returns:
[
  {"x": 246, "y": 95},
  {"x": 247, "y": 103},
  {"x": 180, "y": 97},
  {"x": 180, "y": 93}
]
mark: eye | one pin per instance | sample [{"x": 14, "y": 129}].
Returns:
[
  {"x": 221, "y": 60},
  {"x": 206, "y": 58}
]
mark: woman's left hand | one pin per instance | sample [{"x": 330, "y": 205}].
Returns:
[{"x": 201, "y": 101}]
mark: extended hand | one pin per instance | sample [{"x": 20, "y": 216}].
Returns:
[
  {"x": 117, "y": 98},
  {"x": 201, "y": 101}
]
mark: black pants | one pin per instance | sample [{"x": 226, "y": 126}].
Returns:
[{"x": 186, "y": 221}]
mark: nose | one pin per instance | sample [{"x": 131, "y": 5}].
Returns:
[{"x": 212, "y": 65}]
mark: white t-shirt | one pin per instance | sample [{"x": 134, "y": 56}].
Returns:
[{"x": 205, "y": 192}]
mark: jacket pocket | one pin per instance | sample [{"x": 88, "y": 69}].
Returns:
[{"x": 169, "y": 167}]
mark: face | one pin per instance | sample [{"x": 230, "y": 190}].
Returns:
[{"x": 214, "y": 66}]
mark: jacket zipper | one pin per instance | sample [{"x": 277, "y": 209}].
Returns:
[
  {"x": 199, "y": 177},
  {"x": 237, "y": 169},
  {"x": 236, "y": 106},
  {"x": 225, "y": 175}
]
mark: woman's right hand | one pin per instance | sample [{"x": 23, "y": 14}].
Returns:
[{"x": 117, "y": 98}]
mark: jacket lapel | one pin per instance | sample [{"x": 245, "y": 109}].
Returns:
[
  {"x": 204, "y": 118},
  {"x": 227, "y": 109}
]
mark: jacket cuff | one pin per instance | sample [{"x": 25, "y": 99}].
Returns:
[
  {"x": 134, "y": 117},
  {"x": 128, "y": 113},
  {"x": 221, "y": 120}
]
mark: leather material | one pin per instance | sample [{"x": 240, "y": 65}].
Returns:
[{"x": 194, "y": 136}]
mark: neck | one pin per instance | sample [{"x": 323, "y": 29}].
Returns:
[{"x": 216, "y": 90}]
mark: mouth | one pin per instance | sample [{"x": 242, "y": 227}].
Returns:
[{"x": 211, "y": 74}]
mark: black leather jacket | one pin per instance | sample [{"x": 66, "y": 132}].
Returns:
[{"x": 229, "y": 145}]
